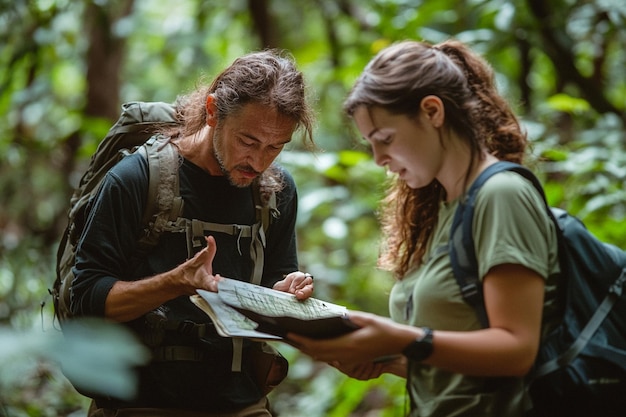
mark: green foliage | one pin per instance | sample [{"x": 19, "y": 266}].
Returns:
[
  {"x": 587, "y": 176},
  {"x": 338, "y": 228},
  {"x": 24, "y": 280},
  {"x": 574, "y": 115},
  {"x": 97, "y": 356},
  {"x": 318, "y": 390}
]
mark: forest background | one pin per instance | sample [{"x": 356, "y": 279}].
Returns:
[{"x": 66, "y": 67}]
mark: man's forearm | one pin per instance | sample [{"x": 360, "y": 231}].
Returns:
[{"x": 129, "y": 300}]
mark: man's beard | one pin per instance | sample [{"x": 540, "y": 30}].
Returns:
[{"x": 217, "y": 153}]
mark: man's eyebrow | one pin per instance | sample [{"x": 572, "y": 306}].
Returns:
[
  {"x": 256, "y": 139},
  {"x": 250, "y": 136}
]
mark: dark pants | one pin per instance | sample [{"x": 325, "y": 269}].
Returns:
[{"x": 260, "y": 409}]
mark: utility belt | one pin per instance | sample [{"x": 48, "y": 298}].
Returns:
[
  {"x": 181, "y": 353},
  {"x": 266, "y": 365},
  {"x": 158, "y": 329}
]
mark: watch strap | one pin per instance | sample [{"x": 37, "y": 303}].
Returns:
[{"x": 420, "y": 348}]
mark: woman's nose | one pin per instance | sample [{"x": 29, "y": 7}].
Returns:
[{"x": 380, "y": 158}]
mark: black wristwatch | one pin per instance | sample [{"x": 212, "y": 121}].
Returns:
[{"x": 421, "y": 348}]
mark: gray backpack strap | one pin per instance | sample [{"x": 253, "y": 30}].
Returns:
[
  {"x": 265, "y": 206},
  {"x": 257, "y": 253},
  {"x": 237, "y": 354},
  {"x": 265, "y": 213},
  {"x": 195, "y": 231},
  {"x": 164, "y": 203},
  {"x": 266, "y": 209}
]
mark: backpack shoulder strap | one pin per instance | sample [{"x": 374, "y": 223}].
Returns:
[
  {"x": 265, "y": 208},
  {"x": 164, "y": 203},
  {"x": 265, "y": 205},
  {"x": 139, "y": 124},
  {"x": 461, "y": 246}
]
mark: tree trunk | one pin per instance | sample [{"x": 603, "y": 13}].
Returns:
[
  {"x": 263, "y": 25},
  {"x": 104, "y": 59}
]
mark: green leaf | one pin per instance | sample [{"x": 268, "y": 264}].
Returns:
[
  {"x": 100, "y": 357},
  {"x": 568, "y": 104}
]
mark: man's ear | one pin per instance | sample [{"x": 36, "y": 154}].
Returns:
[
  {"x": 211, "y": 111},
  {"x": 433, "y": 110}
]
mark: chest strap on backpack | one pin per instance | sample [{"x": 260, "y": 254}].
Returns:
[
  {"x": 196, "y": 230},
  {"x": 258, "y": 257}
]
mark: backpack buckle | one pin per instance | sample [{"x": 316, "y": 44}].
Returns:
[
  {"x": 619, "y": 283},
  {"x": 472, "y": 294},
  {"x": 189, "y": 328}
]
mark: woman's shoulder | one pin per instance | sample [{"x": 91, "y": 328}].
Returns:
[
  {"x": 508, "y": 185},
  {"x": 509, "y": 193}
]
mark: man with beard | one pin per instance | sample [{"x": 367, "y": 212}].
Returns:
[{"x": 229, "y": 135}]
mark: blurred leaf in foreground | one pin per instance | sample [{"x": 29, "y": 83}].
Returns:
[{"x": 96, "y": 356}]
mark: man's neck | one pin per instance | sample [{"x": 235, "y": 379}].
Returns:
[{"x": 198, "y": 148}]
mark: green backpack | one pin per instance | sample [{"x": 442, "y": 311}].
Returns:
[{"x": 136, "y": 130}]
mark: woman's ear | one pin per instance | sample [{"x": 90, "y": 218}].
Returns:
[
  {"x": 432, "y": 108},
  {"x": 211, "y": 111}
]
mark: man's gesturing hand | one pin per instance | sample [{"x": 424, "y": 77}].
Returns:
[{"x": 198, "y": 271}]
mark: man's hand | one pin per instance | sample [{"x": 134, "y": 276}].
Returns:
[
  {"x": 128, "y": 300},
  {"x": 198, "y": 271},
  {"x": 298, "y": 283}
]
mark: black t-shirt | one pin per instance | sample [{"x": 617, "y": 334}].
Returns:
[{"x": 105, "y": 254}]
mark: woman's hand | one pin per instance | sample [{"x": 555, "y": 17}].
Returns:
[
  {"x": 394, "y": 364},
  {"x": 365, "y": 353},
  {"x": 298, "y": 283},
  {"x": 360, "y": 371},
  {"x": 375, "y": 338}
]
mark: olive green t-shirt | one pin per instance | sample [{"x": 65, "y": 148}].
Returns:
[{"x": 510, "y": 225}]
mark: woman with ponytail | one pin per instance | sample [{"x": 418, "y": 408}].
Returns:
[{"x": 434, "y": 118}]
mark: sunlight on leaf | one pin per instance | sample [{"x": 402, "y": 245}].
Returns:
[{"x": 565, "y": 103}]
